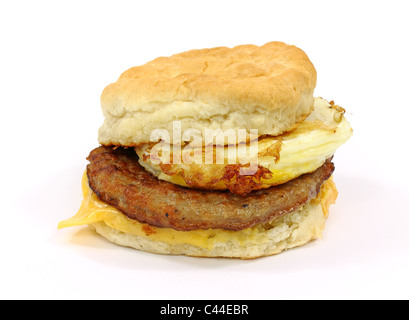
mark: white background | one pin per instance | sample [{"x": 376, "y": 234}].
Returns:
[{"x": 56, "y": 58}]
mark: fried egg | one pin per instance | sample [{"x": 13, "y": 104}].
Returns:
[{"x": 278, "y": 159}]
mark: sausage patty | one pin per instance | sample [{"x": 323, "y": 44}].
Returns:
[{"x": 118, "y": 179}]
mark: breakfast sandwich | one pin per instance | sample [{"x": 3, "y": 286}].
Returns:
[{"x": 220, "y": 152}]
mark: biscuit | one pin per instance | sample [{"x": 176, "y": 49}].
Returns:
[{"x": 268, "y": 88}]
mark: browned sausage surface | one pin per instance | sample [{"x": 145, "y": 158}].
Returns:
[{"x": 118, "y": 179}]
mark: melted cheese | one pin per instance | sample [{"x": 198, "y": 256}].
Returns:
[{"x": 94, "y": 210}]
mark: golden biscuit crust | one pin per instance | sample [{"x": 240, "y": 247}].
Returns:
[{"x": 269, "y": 88}]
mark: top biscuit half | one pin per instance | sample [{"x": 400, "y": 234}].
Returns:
[{"x": 268, "y": 88}]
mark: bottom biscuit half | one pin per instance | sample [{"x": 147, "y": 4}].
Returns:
[{"x": 288, "y": 231}]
